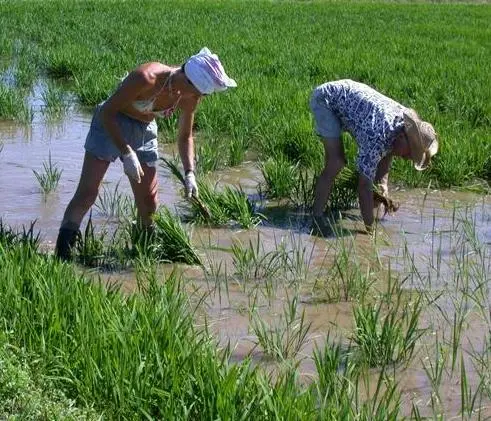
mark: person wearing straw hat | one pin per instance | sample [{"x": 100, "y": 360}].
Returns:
[
  {"x": 124, "y": 127},
  {"x": 382, "y": 129}
]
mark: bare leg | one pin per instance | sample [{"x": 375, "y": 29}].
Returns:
[
  {"x": 334, "y": 163},
  {"x": 93, "y": 171},
  {"x": 146, "y": 197}
]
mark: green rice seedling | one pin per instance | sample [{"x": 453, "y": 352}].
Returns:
[
  {"x": 90, "y": 246},
  {"x": 1, "y": 147},
  {"x": 112, "y": 203},
  {"x": 218, "y": 207},
  {"x": 49, "y": 178},
  {"x": 303, "y": 192},
  {"x": 237, "y": 149},
  {"x": 209, "y": 155},
  {"x": 295, "y": 258},
  {"x": 286, "y": 338},
  {"x": 55, "y": 101},
  {"x": 280, "y": 177},
  {"x": 346, "y": 280},
  {"x": 170, "y": 240},
  {"x": 344, "y": 194},
  {"x": 238, "y": 206},
  {"x": 200, "y": 210},
  {"x": 13, "y": 106},
  {"x": 387, "y": 332},
  {"x": 7, "y": 235},
  {"x": 334, "y": 370},
  {"x": 252, "y": 263},
  {"x": 435, "y": 369}
]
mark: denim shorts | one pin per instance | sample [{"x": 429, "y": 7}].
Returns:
[
  {"x": 327, "y": 124},
  {"x": 140, "y": 135}
]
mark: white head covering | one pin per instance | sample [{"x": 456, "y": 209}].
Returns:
[{"x": 206, "y": 73}]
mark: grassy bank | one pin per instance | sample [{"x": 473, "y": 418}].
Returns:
[{"x": 433, "y": 57}]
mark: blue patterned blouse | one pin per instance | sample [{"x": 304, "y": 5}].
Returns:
[{"x": 373, "y": 119}]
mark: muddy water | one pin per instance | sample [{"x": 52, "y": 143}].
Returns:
[{"x": 428, "y": 227}]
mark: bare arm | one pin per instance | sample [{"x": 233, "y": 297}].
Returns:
[
  {"x": 185, "y": 139},
  {"x": 365, "y": 196},
  {"x": 132, "y": 86},
  {"x": 382, "y": 176}
]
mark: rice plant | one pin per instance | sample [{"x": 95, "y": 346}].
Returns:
[
  {"x": 285, "y": 338},
  {"x": 280, "y": 177},
  {"x": 112, "y": 203},
  {"x": 252, "y": 263},
  {"x": 218, "y": 207},
  {"x": 170, "y": 241},
  {"x": 55, "y": 101},
  {"x": 345, "y": 279},
  {"x": 50, "y": 177},
  {"x": 90, "y": 246},
  {"x": 387, "y": 332},
  {"x": 209, "y": 155}
]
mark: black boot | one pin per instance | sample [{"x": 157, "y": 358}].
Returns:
[{"x": 65, "y": 243}]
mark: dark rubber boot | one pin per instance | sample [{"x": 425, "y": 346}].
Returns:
[{"x": 65, "y": 242}]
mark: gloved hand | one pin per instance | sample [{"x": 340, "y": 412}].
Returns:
[
  {"x": 132, "y": 167},
  {"x": 190, "y": 184}
]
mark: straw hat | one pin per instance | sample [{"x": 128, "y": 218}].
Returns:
[{"x": 422, "y": 139}]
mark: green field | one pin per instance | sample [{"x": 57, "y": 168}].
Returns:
[{"x": 432, "y": 57}]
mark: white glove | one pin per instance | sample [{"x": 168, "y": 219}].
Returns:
[
  {"x": 190, "y": 184},
  {"x": 132, "y": 167}
]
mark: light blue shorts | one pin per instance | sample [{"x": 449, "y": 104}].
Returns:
[
  {"x": 141, "y": 136},
  {"x": 327, "y": 124}
]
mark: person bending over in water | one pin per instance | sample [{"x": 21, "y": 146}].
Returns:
[
  {"x": 124, "y": 127},
  {"x": 382, "y": 128}
]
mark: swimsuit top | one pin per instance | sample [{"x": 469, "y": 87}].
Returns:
[{"x": 146, "y": 105}]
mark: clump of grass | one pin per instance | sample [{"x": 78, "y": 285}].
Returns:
[
  {"x": 286, "y": 338},
  {"x": 209, "y": 155},
  {"x": 252, "y": 263},
  {"x": 344, "y": 194},
  {"x": 13, "y": 105},
  {"x": 55, "y": 100},
  {"x": 112, "y": 203},
  {"x": 216, "y": 207},
  {"x": 170, "y": 240},
  {"x": 49, "y": 178},
  {"x": 90, "y": 246},
  {"x": 9, "y": 237},
  {"x": 345, "y": 279},
  {"x": 237, "y": 149},
  {"x": 387, "y": 332},
  {"x": 280, "y": 177},
  {"x": 25, "y": 395}
]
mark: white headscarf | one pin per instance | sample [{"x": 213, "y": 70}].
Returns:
[{"x": 206, "y": 73}]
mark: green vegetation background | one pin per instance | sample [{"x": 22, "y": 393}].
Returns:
[{"x": 432, "y": 57}]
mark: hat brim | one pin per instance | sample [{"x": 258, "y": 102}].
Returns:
[{"x": 418, "y": 155}]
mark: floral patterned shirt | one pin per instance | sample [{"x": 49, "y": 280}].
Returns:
[{"x": 372, "y": 118}]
